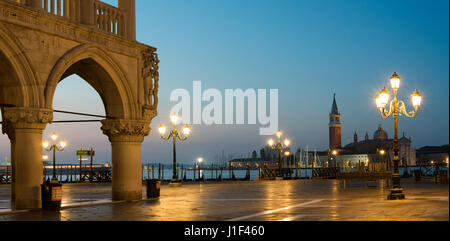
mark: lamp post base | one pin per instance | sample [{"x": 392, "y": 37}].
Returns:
[
  {"x": 396, "y": 194},
  {"x": 175, "y": 183}
]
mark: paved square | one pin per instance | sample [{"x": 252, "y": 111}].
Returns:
[{"x": 300, "y": 200}]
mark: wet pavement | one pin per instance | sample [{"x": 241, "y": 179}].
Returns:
[{"x": 299, "y": 200}]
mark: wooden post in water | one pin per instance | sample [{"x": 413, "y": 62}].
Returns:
[
  {"x": 153, "y": 171},
  {"x": 212, "y": 171},
  {"x": 80, "y": 168},
  {"x": 194, "y": 173},
  {"x": 60, "y": 173},
  {"x": 162, "y": 171},
  {"x": 159, "y": 171},
  {"x": 6, "y": 176},
  {"x": 312, "y": 169},
  {"x": 217, "y": 170}
]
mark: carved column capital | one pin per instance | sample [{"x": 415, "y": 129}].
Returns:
[
  {"x": 126, "y": 130},
  {"x": 25, "y": 118}
]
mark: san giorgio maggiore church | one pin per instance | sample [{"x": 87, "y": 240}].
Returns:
[{"x": 365, "y": 150}]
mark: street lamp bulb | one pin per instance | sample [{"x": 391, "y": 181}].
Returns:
[
  {"x": 174, "y": 118},
  {"x": 200, "y": 160},
  {"x": 287, "y": 153},
  {"x": 395, "y": 81},
  {"x": 270, "y": 142},
  {"x": 334, "y": 153},
  {"x": 186, "y": 130},
  {"x": 162, "y": 129},
  {"x": 63, "y": 144},
  {"x": 382, "y": 98},
  {"x": 287, "y": 142},
  {"x": 382, "y": 152},
  {"x": 45, "y": 157},
  {"x": 279, "y": 133},
  {"x": 45, "y": 144},
  {"x": 416, "y": 98},
  {"x": 54, "y": 136}
]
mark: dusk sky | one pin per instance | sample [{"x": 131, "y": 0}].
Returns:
[{"x": 308, "y": 50}]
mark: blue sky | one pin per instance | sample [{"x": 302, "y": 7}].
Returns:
[{"x": 308, "y": 50}]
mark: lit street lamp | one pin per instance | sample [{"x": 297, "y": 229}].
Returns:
[
  {"x": 174, "y": 133},
  {"x": 54, "y": 147},
  {"x": 396, "y": 109},
  {"x": 280, "y": 147},
  {"x": 332, "y": 154}
]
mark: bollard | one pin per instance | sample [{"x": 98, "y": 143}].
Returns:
[
  {"x": 417, "y": 175},
  {"x": 153, "y": 188},
  {"x": 444, "y": 177},
  {"x": 51, "y": 194}
]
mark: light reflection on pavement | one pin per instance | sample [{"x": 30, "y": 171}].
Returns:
[{"x": 299, "y": 200}]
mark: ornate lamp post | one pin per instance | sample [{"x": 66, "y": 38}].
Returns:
[
  {"x": 396, "y": 109},
  {"x": 54, "y": 148},
  {"x": 280, "y": 147},
  {"x": 174, "y": 133}
]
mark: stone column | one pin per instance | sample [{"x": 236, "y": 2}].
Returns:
[
  {"x": 27, "y": 125},
  {"x": 7, "y": 129},
  {"x": 129, "y": 7},
  {"x": 36, "y": 4},
  {"x": 87, "y": 12},
  {"x": 126, "y": 137}
]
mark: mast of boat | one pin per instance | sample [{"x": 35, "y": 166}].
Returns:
[{"x": 307, "y": 157}]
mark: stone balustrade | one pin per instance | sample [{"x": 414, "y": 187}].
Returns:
[
  {"x": 104, "y": 17},
  {"x": 109, "y": 18}
]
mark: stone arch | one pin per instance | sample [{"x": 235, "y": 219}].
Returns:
[
  {"x": 18, "y": 81},
  {"x": 98, "y": 68}
]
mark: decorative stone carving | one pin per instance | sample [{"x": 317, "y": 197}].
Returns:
[
  {"x": 150, "y": 75},
  {"x": 25, "y": 118},
  {"x": 126, "y": 130}
]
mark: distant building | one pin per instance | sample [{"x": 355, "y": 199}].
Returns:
[
  {"x": 335, "y": 126},
  {"x": 437, "y": 154},
  {"x": 242, "y": 162}
]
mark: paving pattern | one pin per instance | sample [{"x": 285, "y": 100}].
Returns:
[{"x": 300, "y": 200}]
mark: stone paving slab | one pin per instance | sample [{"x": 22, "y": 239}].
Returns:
[{"x": 300, "y": 200}]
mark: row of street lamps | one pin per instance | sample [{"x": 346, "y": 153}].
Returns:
[{"x": 396, "y": 109}]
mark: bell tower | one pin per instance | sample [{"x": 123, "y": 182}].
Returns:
[{"x": 335, "y": 126}]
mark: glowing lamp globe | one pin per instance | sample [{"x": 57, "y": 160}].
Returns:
[
  {"x": 287, "y": 142},
  {"x": 186, "y": 130},
  {"x": 174, "y": 119},
  {"x": 279, "y": 133},
  {"x": 162, "y": 129},
  {"x": 416, "y": 99},
  {"x": 395, "y": 81},
  {"x": 383, "y": 98}
]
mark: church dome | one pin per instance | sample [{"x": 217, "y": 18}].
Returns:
[{"x": 380, "y": 134}]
